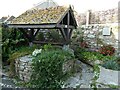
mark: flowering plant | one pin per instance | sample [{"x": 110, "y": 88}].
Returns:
[
  {"x": 107, "y": 50},
  {"x": 36, "y": 51}
]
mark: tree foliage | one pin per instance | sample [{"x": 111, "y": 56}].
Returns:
[{"x": 12, "y": 39}]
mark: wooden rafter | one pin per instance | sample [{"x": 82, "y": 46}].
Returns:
[
  {"x": 73, "y": 17},
  {"x": 68, "y": 23}
]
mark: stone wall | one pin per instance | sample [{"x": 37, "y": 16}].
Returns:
[
  {"x": 107, "y": 16},
  {"x": 93, "y": 35},
  {"x": 23, "y": 67},
  {"x": 99, "y": 17}
]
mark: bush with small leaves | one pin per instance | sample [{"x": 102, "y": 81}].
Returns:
[{"x": 47, "y": 71}]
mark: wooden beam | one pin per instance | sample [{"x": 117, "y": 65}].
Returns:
[
  {"x": 68, "y": 23},
  {"x": 70, "y": 33},
  {"x": 44, "y": 42},
  {"x": 73, "y": 17},
  {"x": 31, "y": 35},
  {"x": 63, "y": 34},
  {"x": 66, "y": 33},
  {"x": 35, "y": 33},
  {"x": 32, "y": 26},
  {"x": 65, "y": 26}
]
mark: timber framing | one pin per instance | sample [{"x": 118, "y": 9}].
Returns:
[{"x": 66, "y": 24}]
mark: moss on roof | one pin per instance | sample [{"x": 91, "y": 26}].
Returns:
[{"x": 39, "y": 16}]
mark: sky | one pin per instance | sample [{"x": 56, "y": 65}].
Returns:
[{"x": 17, "y": 7}]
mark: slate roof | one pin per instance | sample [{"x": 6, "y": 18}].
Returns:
[{"x": 40, "y": 16}]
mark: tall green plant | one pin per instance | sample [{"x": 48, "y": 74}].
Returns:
[
  {"x": 11, "y": 40},
  {"x": 47, "y": 69}
]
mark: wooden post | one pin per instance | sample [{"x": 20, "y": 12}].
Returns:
[
  {"x": 63, "y": 34},
  {"x": 68, "y": 23},
  {"x": 31, "y": 36},
  {"x": 70, "y": 33},
  {"x": 36, "y": 32}
]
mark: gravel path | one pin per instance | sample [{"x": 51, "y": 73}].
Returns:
[
  {"x": 6, "y": 82},
  {"x": 81, "y": 79}
]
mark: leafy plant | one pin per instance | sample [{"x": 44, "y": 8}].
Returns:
[
  {"x": 111, "y": 64},
  {"x": 88, "y": 56},
  {"x": 48, "y": 47},
  {"x": 40, "y": 36},
  {"x": 47, "y": 69},
  {"x": 79, "y": 52},
  {"x": 96, "y": 70},
  {"x": 11, "y": 40},
  {"x": 107, "y": 50},
  {"x": 54, "y": 36}
]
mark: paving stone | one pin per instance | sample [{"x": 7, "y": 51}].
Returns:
[{"x": 108, "y": 76}]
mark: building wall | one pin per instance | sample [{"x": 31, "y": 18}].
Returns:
[
  {"x": 98, "y": 20},
  {"x": 100, "y": 17},
  {"x": 93, "y": 35}
]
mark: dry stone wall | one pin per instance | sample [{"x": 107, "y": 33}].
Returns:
[
  {"x": 23, "y": 67},
  {"x": 93, "y": 35}
]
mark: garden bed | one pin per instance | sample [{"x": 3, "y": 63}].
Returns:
[{"x": 23, "y": 67}]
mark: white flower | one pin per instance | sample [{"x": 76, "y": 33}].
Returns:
[{"x": 36, "y": 51}]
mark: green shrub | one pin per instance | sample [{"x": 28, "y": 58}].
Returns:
[
  {"x": 47, "y": 69},
  {"x": 79, "y": 53},
  {"x": 82, "y": 54},
  {"x": 113, "y": 65},
  {"x": 11, "y": 41},
  {"x": 54, "y": 36},
  {"x": 40, "y": 36}
]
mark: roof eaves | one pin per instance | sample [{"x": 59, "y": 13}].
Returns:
[{"x": 62, "y": 16}]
